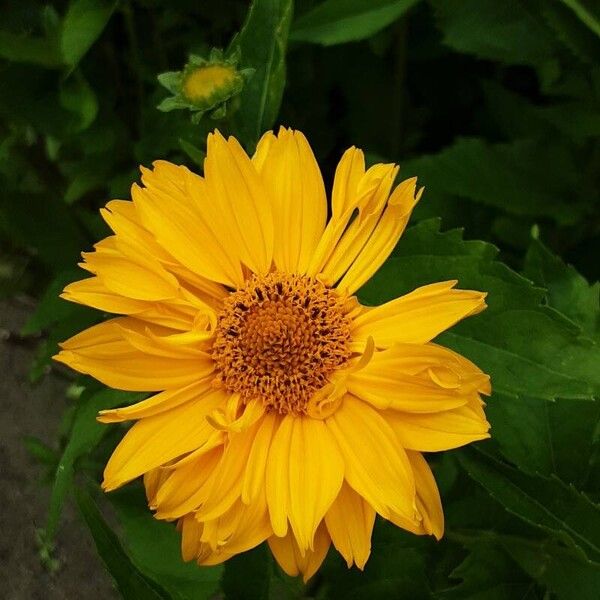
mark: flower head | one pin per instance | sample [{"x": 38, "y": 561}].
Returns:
[
  {"x": 285, "y": 410},
  {"x": 205, "y": 84}
]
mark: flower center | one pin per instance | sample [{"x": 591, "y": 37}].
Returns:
[{"x": 279, "y": 338}]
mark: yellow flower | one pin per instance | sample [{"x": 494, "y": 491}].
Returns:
[{"x": 287, "y": 411}]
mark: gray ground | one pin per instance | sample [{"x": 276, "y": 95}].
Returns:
[{"x": 23, "y": 500}]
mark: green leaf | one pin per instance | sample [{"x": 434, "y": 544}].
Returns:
[
  {"x": 578, "y": 120},
  {"x": 262, "y": 43},
  {"x": 510, "y": 32},
  {"x": 550, "y": 438},
  {"x": 488, "y": 573},
  {"x": 195, "y": 153},
  {"x": 582, "y": 42},
  {"x": 77, "y": 97},
  {"x": 396, "y": 569},
  {"x": 84, "y": 22},
  {"x": 524, "y": 178},
  {"x": 154, "y": 547},
  {"x": 527, "y": 348},
  {"x": 546, "y": 503},
  {"x": 568, "y": 291},
  {"x": 585, "y": 15},
  {"x": 248, "y": 576},
  {"x": 85, "y": 434},
  {"x": 555, "y": 567},
  {"x": 340, "y": 21},
  {"x": 42, "y": 224},
  {"x": 20, "y": 48},
  {"x": 51, "y": 308},
  {"x": 130, "y": 582}
]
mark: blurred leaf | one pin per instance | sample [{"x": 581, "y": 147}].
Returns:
[
  {"x": 85, "y": 434},
  {"x": 40, "y": 451},
  {"x": 130, "y": 582},
  {"x": 196, "y": 154},
  {"x": 51, "y": 308},
  {"x": 586, "y": 15},
  {"x": 78, "y": 97},
  {"x": 154, "y": 548},
  {"x": 82, "y": 25},
  {"x": 568, "y": 291},
  {"x": 60, "y": 318},
  {"x": 518, "y": 117},
  {"x": 262, "y": 42},
  {"x": 525, "y": 178},
  {"x": 43, "y": 224},
  {"x": 546, "y": 503},
  {"x": 527, "y": 348},
  {"x": 572, "y": 31},
  {"x": 36, "y": 50},
  {"x": 509, "y": 32},
  {"x": 340, "y": 21},
  {"x": 248, "y": 576}
]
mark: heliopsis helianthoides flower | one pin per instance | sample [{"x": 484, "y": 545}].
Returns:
[{"x": 285, "y": 410}]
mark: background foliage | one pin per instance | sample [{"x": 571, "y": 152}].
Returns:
[{"x": 494, "y": 104}]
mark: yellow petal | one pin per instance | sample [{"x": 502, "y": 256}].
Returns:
[
  {"x": 293, "y": 561},
  {"x": 92, "y": 292},
  {"x": 175, "y": 207},
  {"x": 241, "y": 528},
  {"x": 227, "y": 486},
  {"x": 349, "y": 172},
  {"x": 102, "y": 352},
  {"x": 384, "y": 238},
  {"x": 158, "y": 403},
  {"x": 277, "y": 476},
  {"x": 237, "y": 191},
  {"x": 191, "y": 530},
  {"x": 428, "y": 496},
  {"x": 291, "y": 174},
  {"x": 188, "y": 485},
  {"x": 316, "y": 473},
  {"x": 140, "y": 279},
  {"x": 376, "y": 464},
  {"x": 419, "y": 378},
  {"x": 254, "y": 477},
  {"x": 439, "y": 431},
  {"x": 350, "y": 523},
  {"x": 372, "y": 195},
  {"x": 418, "y": 317},
  {"x": 154, "y": 441}
]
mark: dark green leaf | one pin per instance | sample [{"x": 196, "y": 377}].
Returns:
[
  {"x": 131, "y": 583},
  {"x": 523, "y": 178},
  {"x": 248, "y": 576},
  {"x": 154, "y": 548},
  {"x": 396, "y": 569},
  {"x": 505, "y": 31},
  {"x": 528, "y": 349},
  {"x": 262, "y": 43},
  {"x": 551, "y": 438},
  {"x": 85, "y": 434},
  {"x": 82, "y": 25},
  {"x": 340, "y": 21},
  {"x": 556, "y": 567},
  {"x": 568, "y": 291},
  {"x": 488, "y": 573},
  {"x": 543, "y": 502},
  {"x": 20, "y": 48}
]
